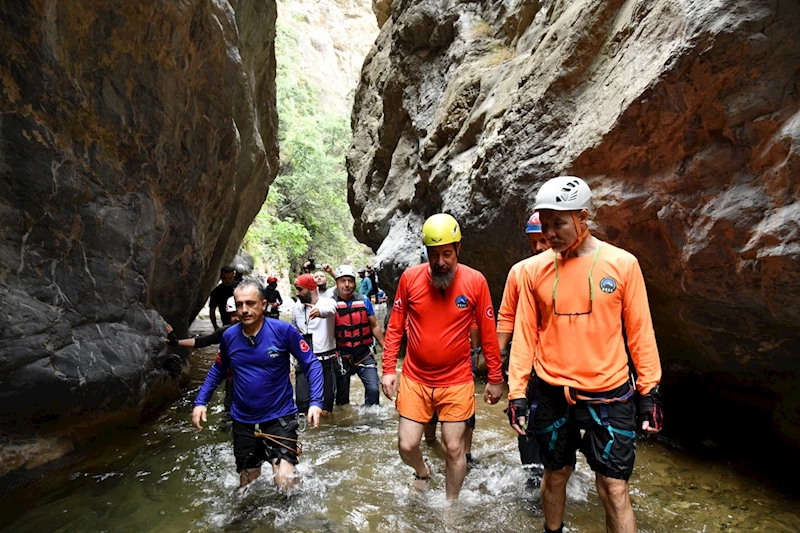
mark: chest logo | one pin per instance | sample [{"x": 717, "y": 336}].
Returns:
[
  {"x": 273, "y": 351},
  {"x": 461, "y": 302},
  {"x": 304, "y": 345},
  {"x": 608, "y": 285}
]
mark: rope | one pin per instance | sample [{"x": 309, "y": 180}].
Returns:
[{"x": 274, "y": 438}]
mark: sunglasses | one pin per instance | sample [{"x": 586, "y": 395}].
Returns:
[{"x": 591, "y": 286}]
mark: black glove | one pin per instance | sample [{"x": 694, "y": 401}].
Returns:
[
  {"x": 650, "y": 410},
  {"x": 516, "y": 409},
  {"x": 172, "y": 339}
]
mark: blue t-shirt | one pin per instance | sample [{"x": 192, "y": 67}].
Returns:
[{"x": 262, "y": 390}]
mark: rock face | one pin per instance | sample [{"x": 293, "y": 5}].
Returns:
[
  {"x": 683, "y": 116},
  {"x": 137, "y": 143}
]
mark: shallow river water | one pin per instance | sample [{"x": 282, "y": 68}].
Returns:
[{"x": 168, "y": 477}]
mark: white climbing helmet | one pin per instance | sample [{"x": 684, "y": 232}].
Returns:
[
  {"x": 345, "y": 270},
  {"x": 564, "y": 193}
]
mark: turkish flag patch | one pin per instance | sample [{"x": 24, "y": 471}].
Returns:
[
  {"x": 304, "y": 345},
  {"x": 490, "y": 312}
]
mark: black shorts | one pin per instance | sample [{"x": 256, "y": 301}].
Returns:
[
  {"x": 557, "y": 425},
  {"x": 250, "y": 451}
]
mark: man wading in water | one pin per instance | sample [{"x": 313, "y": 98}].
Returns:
[
  {"x": 528, "y": 448},
  {"x": 435, "y": 305},
  {"x": 263, "y": 411},
  {"x": 568, "y": 327}
]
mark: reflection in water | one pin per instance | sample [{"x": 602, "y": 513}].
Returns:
[{"x": 170, "y": 477}]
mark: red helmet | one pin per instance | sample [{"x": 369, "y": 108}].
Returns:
[{"x": 272, "y": 279}]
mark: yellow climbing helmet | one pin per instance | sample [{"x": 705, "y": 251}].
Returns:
[{"x": 439, "y": 229}]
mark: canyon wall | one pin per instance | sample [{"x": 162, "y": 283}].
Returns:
[
  {"x": 684, "y": 118},
  {"x": 137, "y": 143}
]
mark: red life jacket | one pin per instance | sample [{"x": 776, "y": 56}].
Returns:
[{"x": 352, "y": 323}]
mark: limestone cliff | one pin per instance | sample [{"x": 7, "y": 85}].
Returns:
[
  {"x": 137, "y": 142},
  {"x": 684, "y": 117}
]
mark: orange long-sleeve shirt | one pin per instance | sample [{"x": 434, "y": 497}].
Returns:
[
  {"x": 586, "y": 352},
  {"x": 437, "y": 325},
  {"x": 508, "y": 306}
]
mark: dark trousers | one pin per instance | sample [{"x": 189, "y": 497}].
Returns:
[
  {"x": 302, "y": 391},
  {"x": 528, "y": 447},
  {"x": 362, "y": 363}
]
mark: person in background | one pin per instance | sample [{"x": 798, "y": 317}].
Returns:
[
  {"x": 314, "y": 318},
  {"x": 322, "y": 281},
  {"x": 574, "y": 335},
  {"x": 365, "y": 286},
  {"x": 219, "y": 296},
  {"x": 528, "y": 448},
  {"x": 209, "y": 340},
  {"x": 263, "y": 412},
  {"x": 356, "y": 325},
  {"x": 273, "y": 298},
  {"x": 238, "y": 273}
]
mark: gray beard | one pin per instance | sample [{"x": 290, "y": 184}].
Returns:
[{"x": 442, "y": 281}]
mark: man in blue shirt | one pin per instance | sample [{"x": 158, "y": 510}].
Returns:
[{"x": 263, "y": 411}]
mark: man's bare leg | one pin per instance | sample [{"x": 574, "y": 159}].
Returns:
[
  {"x": 409, "y": 435},
  {"x": 554, "y": 496},
  {"x": 616, "y": 498},
  {"x": 284, "y": 474},
  {"x": 455, "y": 459},
  {"x": 248, "y": 475}
]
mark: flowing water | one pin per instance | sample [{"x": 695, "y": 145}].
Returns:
[{"x": 166, "y": 476}]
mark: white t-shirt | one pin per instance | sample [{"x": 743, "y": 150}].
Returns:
[
  {"x": 322, "y": 328},
  {"x": 327, "y": 293}
]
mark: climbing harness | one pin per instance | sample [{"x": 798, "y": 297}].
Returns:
[{"x": 600, "y": 404}]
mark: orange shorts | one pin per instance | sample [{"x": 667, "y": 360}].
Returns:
[{"x": 419, "y": 402}]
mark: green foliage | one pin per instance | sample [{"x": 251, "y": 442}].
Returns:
[{"x": 306, "y": 212}]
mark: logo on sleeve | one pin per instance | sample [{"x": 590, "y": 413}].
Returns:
[
  {"x": 273, "y": 351},
  {"x": 304, "y": 345},
  {"x": 461, "y": 302},
  {"x": 608, "y": 285},
  {"x": 398, "y": 304},
  {"x": 489, "y": 312}
]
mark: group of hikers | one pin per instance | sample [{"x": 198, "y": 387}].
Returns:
[{"x": 567, "y": 347}]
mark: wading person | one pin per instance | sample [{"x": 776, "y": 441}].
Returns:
[
  {"x": 573, "y": 306},
  {"x": 435, "y": 305},
  {"x": 219, "y": 296},
  {"x": 356, "y": 325},
  {"x": 208, "y": 340},
  {"x": 314, "y": 318},
  {"x": 528, "y": 448},
  {"x": 273, "y": 298},
  {"x": 263, "y": 412}
]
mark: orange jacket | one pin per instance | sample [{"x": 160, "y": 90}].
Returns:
[
  {"x": 437, "y": 327},
  {"x": 585, "y": 352}
]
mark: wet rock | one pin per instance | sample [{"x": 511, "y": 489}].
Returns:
[
  {"x": 684, "y": 118},
  {"x": 137, "y": 143}
]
